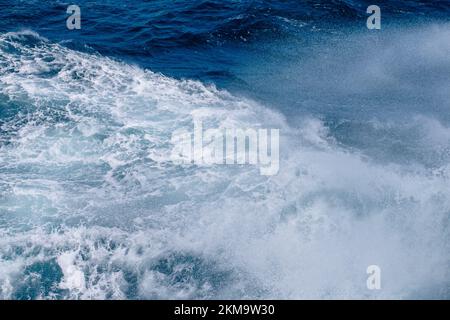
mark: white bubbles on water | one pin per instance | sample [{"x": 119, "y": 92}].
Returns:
[{"x": 92, "y": 207}]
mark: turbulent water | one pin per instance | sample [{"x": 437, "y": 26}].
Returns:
[{"x": 91, "y": 205}]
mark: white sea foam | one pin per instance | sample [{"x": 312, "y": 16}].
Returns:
[{"x": 92, "y": 207}]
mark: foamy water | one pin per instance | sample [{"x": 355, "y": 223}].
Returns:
[{"x": 92, "y": 207}]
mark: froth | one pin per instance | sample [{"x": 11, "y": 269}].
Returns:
[{"x": 93, "y": 208}]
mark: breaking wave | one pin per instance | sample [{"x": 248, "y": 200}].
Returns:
[{"x": 92, "y": 207}]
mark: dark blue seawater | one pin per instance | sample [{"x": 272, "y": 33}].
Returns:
[
  {"x": 91, "y": 206},
  {"x": 206, "y": 40}
]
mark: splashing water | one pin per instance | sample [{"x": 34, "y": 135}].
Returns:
[{"x": 92, "y": 207}]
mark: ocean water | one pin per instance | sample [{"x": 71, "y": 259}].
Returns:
[{"x": 92, "y": 207}]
